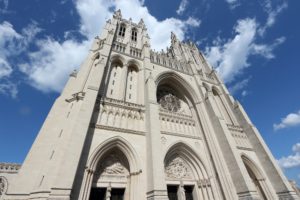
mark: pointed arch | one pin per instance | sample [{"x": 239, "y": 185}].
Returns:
[
  {"x": 257, "y": 177},
  {"x": 251, "y": 164},
  {"x": 177, "y": 81},
  {"x": 115, "y": 142},
  {"x": 101, "y": 153},
  {"x": 187, "y": 153},
  {"x": 181, "y": 161}
]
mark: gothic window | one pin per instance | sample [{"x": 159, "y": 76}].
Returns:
[
  {"x": 122, "y": 30},
  {"x": 134, "y": 34},
  {"x": 132, "y": 84},
  {"x": 221, "y": 107},
  {"x": 117, "y": 72}
]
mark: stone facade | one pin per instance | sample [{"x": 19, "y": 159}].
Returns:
[{"x": 137, "y": 124}]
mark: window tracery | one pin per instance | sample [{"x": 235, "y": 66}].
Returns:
[
  {"x": 122, "y": 30},
  {"x": 134, "y": 34}
]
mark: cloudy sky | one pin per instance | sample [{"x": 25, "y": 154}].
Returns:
[{"x": 254, "y": 46}]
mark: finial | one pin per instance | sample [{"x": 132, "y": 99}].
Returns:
[
  {"x": 118, "y": 14},
  {"x": 173, "y": 37},
  {"x": 141, "y": 22}
]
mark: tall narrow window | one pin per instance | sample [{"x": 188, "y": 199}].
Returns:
[
  {"x": 134, "y": 34},
  {"x": 122, "y": 30}
]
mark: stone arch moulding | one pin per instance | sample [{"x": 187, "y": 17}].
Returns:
[
  {"x": 117, "y": 58},
  {"x": 3, "y": 186},
  {"x": 134, "y": 63},
  {"x": 260, "y": 177},
  {"x": 187, "y": 152},
  {"x": 100, "y": 151},
  {"x": 183, "y": 85},
  {"x": 204, "y": 184}
]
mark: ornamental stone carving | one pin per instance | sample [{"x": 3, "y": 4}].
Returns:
[
  {"x": 178, "y": 169},
  {"x": 170, "y": 103},
  {"x": 2, "y": 186},
  {"x": 112, "y": 165}
]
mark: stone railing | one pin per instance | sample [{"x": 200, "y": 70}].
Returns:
[
  {"x": 121, "y": 103},
  {"x": 117, "y": 46},
  {"x": 164, "y": 60},
  {"x": 118, "y": 115},
  {"x": 239, "y": 136},
  {"x": 9, "y": 167},
  {"x": 177, "y": 124},
  {"x": 135, "y": 52}
]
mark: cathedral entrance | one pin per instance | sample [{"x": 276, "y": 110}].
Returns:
[
  {"x": 111, "y": 180},
  {"x": 107, "y": 194},
  {"x": 179, "y": 192}
]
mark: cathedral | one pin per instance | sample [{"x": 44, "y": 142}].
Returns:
[{"x": 136, "y": 124}]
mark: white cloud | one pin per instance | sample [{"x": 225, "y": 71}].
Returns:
[
  {"x": 267, "y": 50},
  {"x": 272, "y": 14},
  {"x": 5, "y": 68},
  {"x": 230, "y": 57},
  {"x": 9, "y": 88},
  {"x": 182, "y": 7},
  {"x": 292, "y": 119},
  {"x": 3, "y": 6},
  {"x": 12, "y": 44},
  {"x": 293, "y": 160},
  {"x": 49, "y": 67},
  {"x": 239, "y": 86}
]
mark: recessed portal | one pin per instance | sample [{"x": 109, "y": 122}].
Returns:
[
  {"x": 98, "y": 194},
  {"x": 117, "y": 194},
  {"x": 188, "y": 189},
  {"x": 172, "y": 192}
]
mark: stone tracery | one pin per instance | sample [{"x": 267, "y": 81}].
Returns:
[{"x": 178, "y": 169}]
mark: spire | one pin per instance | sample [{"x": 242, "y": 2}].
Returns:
[
  {"x": 118, "y": 14},
  {"x": 173, "y": 38},
  {"x": 141, "y": 22}
]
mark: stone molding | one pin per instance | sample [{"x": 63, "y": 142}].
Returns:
[
  {"x": 10, "y": 167},
  {"x": 122, "y": 130}
]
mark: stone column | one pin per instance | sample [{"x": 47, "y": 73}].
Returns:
[
  {"x": 218, "y": 161},
  {"x": 156, "y": 186},
  {"x": 238, "y": 172}
]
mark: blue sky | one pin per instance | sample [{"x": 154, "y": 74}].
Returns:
[{"x": 254, "y": 45}]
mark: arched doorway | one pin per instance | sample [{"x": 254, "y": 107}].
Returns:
[
  {"x": 258, "y": 179},
  {"x": 185, "y": 175},
  {"x": 111, "y": 178},
  {"x": 112, "y": 172}
]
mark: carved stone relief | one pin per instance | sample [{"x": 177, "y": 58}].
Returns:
[
  {"x": 2, "y": 186},
  {"x": 113, "y": 165},
  {"x": 170, "y": 103},
  {"x": 178, "y": 169}
]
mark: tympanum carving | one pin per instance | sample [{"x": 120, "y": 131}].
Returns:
[
  {"x": 170, "y": 102},
  {"x": 178, "y": 169}
]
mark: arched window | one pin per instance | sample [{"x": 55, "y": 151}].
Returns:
[
  {"x": 221, "y": 107},
  {"x": 132, "y": 84},
  {"x": 122, "y": 30},
  {"x": 114, "y": 88},
  {"x": 256, "y": 177},
  {"x": 134, "y": 34}
]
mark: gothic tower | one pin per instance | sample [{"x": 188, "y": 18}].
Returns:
[{"x": 137, "y": 124}]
